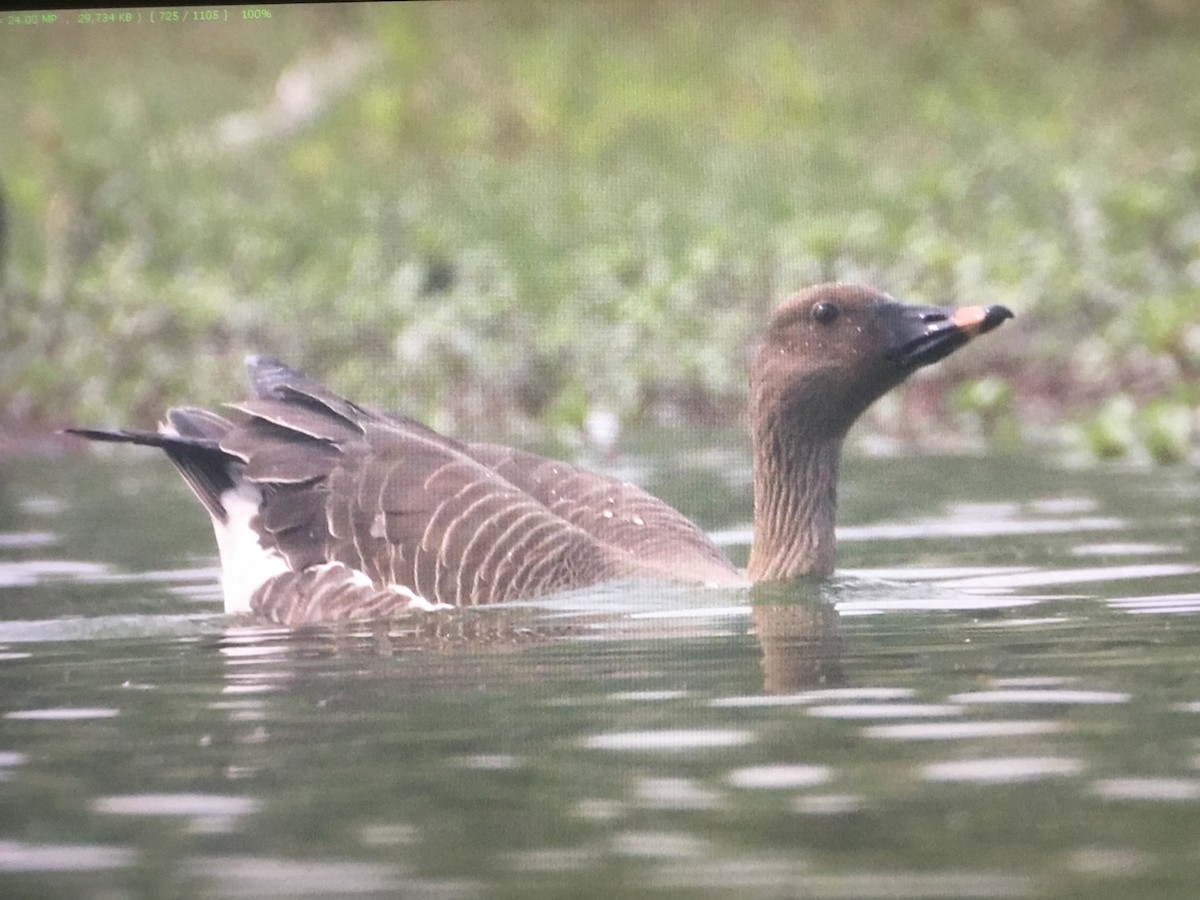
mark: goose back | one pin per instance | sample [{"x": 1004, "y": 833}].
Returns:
[{"x": 358, "y": 514}]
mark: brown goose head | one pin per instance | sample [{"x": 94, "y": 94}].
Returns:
[
  {"x": 827, "y": 354},
  {"x": 832, "y": 350}
]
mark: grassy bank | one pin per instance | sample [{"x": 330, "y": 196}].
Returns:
[{"x": 489, "y": 214}]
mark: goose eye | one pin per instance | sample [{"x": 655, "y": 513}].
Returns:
[{"x": 825, "y": 313}]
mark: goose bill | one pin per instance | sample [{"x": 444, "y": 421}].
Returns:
[{"x": 926, "y": 334}]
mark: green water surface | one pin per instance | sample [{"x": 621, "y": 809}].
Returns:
[{"x": 998, "y": 696}]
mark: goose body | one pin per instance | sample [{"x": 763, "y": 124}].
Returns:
[{"x": 325, "y": 510}]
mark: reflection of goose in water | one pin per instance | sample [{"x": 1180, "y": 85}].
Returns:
[
  {"x": 799, "y": 641},
  {"x": 458, "y": 639},
  {"x": 324, "y": 509},
  {"x": 801, "y": 645}
]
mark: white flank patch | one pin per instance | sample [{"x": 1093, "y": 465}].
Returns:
[
  {"x": 415, "y": 600},
  {"x": 245, "y": 563},
  {"x": 356, "y": 577}
]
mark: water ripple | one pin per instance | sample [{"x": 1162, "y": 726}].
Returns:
[
  {"x": 675, "y": 793},
  {"x": 24, "y": 539},
  {"x": 955, "y": 731},
  {"x": 669, "y": 739},
  {"x": 780, "y": 776},
  {"x": 1002, "y": 770},
  {"x": 35, "y": 571},
  {"x": 1171, "y": 789},
  {"x": 1158, "y": 603},
  {"x": 1044, "y": 577},
  {"x": 827, "y": 804},
  {"x": 175, "y": 805},
  {"x": 886, "y": 711},
  {"x": 239, "y": 876},
  {"x": 18, "y": 856},
  {"x": 1040, "y": 696},
  {"x": 866, "y": 694},
  {"x": 659, "y": 844},
  {"x": 63, "y": 714},
  {"x": 972, "y": 527}
]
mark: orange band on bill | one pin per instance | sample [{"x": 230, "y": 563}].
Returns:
[{"x": 969, "y": 318}]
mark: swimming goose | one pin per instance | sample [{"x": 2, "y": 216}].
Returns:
[{"x": 325, "y": 510}]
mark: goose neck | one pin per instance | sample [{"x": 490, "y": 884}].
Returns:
[{"x": 795, "y": 505}]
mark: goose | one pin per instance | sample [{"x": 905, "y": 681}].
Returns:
[{"x": 326, "y": 510}]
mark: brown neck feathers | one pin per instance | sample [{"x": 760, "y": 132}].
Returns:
[{"x": 795, "y": 504}]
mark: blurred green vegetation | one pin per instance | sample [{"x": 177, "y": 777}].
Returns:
[{"x": 497, "y": 214}]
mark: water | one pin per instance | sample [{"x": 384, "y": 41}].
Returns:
[{"x": 999, "y": 696}]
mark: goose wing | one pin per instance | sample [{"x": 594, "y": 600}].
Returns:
[
  {"x": 326, "y": 510},
  {"x": 388, "y": 505},
  {"x": 617, "y": 513}
]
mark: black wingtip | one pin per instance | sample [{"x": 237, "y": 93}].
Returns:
[
  {"x": 109, "y": 435},
  {"x": 145, "y": 438}
]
